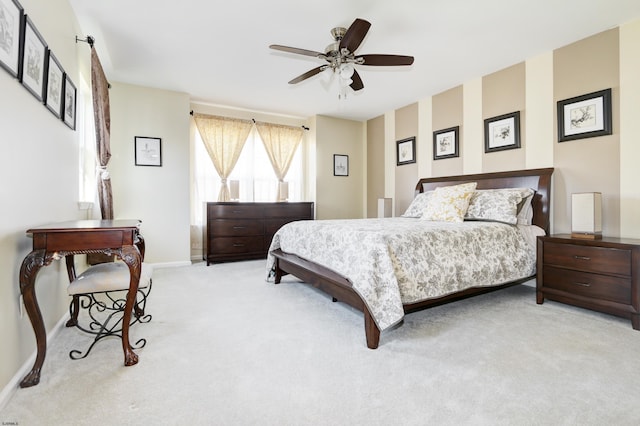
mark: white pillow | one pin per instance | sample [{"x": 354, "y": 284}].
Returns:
[
  {"x": 525, "y": 209},
  {"x": 495, "y": 205},
  {"x": 449, "y": 203},
  {"x": 418, "y": 205}
]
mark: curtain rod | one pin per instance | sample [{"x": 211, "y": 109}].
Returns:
[
  {"x": 89, "y": 40},
  {"x": 254, "y": 121}
]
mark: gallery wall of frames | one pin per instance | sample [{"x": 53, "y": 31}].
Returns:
[{"x": 26, "y": 56}]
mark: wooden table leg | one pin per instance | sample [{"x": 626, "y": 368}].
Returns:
[
  {"x": 28, "y": 271},
  {"x": 131, "y": 256}
]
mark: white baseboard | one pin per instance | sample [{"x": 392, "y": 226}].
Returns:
[
  {"x": 171, "y": 264},
  {"x": 13, "y": 384}
]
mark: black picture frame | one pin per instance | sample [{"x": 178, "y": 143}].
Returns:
[
  {"x": 34, "y": 53},
  {"x": 585, "y": 116},
  {"x": 446, "y": 143},
  {"x": 12, "y": 22},
  {"x": 69, "y": 103},
  {"x": 148, "y": 151},
  {"x": 502, "y": 132},
  {"x": 53, "y": 94},
  {"x": 406, "y": 151},
  {"x": 340, "y": 165}
]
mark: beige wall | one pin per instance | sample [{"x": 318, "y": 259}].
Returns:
[
  {"x": 39, "y": 174},
  {"x": 406, "y": 175},
  {"x": 606, "y": 164},
  {"x": 503, "y": 92},
  {"x": 375, "y": 164},
  {"x": 339, "y": 197},
  {"x": 447, "y": 112},
  {"x": 159, "y": 196},
  {"x": 591, "y": 164}
]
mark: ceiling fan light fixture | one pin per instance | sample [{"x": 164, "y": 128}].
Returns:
[{"x": 346, "y": 71}]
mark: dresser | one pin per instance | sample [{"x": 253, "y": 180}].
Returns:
[
  {"x": 603, "y": 275},
  {"x": 241, "y": 231}
]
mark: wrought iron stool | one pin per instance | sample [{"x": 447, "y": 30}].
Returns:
[{"x": 102, "y": 291}]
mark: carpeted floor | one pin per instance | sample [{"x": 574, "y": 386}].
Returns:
[{"x": 226, "y": 348}]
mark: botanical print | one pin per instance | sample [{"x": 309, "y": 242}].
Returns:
[
  {"x": 33, "y": 60},
  {"x": 54, "y": 86},
  {"x": 9, "y": 35},
  {"x": 405, "y": 152},
  {"x": 502, "y": 133},
  {"x": 445, "y": 144},
  {"x": 582, "y": 117}
]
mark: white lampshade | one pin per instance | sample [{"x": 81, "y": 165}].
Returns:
[
  {"x": 586, "y": 215},
  {"x": 234, "y": 189},
  {"x": 283, "y": 191},
  {"x": 384, "y": 207}
]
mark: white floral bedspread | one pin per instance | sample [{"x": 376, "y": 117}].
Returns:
[{"x": 400, "y": 260}]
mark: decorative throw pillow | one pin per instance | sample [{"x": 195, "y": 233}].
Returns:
[
  {"x": 525, "y": 208},
  {"x": 418, "y": 205},
  {"x": 449, "y": 203},
  {"x": 496, "y": 205}
]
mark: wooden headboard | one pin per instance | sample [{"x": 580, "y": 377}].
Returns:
[{"x": 537, "y": 179}]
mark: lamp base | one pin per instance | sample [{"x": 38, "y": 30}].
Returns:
[{"x": 586, "y": 236}]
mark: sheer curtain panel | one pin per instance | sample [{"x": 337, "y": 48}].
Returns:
[
  {"x": 281, "y": 143},
  {"x": 224, "y": 139}
]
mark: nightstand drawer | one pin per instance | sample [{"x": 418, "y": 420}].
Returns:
[
  {"x": 590, "y": 259},
  {"x": 232, "y": 228},
  {"x": 602, "y": 287}
]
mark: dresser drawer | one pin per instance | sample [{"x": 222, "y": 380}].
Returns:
[
  {"x": 288, "y": 210},
  {"x": 604, "y": 287},
  {"x": 591, "y": 259},
  {"x": 236, "y": 245},
  {"x": 235, "y": 227},
  {"x": 234, "y": 211}
]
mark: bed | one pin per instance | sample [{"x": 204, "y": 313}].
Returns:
[{"x": 387, "y": 280}]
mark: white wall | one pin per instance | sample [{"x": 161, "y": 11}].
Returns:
[{"x": 39, "y": 184}]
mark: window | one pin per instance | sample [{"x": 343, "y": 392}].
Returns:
[{"x": 253, "y": 170}]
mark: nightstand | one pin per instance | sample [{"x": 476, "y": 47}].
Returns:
[{"x": 603, "y": 274}]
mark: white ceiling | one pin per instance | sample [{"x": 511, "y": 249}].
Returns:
[{"x": 217, "y": 51}]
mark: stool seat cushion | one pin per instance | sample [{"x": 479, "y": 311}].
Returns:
[{"x": 110, "y": 276}]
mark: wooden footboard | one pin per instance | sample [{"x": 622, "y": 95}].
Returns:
[{"x": 335, "y": 285}]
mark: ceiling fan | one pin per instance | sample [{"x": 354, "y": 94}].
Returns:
[{"x": 341, "y": 58}]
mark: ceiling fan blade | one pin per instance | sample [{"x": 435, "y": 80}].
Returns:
[
  {"x": 297, "y": 51},
  {"x": 356, "y": 81},
  {"x": 308, "y": 74},
  {"x": 386, "y": 60},
  {"x": 355, "y": 34}
]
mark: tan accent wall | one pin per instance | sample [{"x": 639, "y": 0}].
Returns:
[
  {"x": 406, "y": 176},
  {"x": 375, "y": 164},
  {"x": 503, "y": 92},
  {"x": 339, "y": 197},
  {"x": 590, "y": 164},
  {"x": 448, "y": 112}
]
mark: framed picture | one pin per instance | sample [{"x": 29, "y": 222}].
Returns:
[
  {"x": 33, "y": 60},
  {"x": 69, "y": 108},
  {"x": 585, "y": 116},
  {"x": 340, "y": 165},
  {"x": 11, "y": 23},
  {"x": 502, "y": 132},
  {"x": 446, "y": 143},
  {"x": 54, "y": 83},
  {"x": 148, "y": 151},
  {"x": 406, "y": 151}
]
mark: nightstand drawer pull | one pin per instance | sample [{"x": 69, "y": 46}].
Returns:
[
  {"x": 581, "y": 257},
  {"x": 238, "y": 245},
  {"x": 583, "y": 284},
  {"x": 239, "y": 227}
]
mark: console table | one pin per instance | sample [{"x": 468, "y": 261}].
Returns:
[{"x": 66, "y": 239}]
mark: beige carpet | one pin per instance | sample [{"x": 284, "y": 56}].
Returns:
[{"x": 226, "y": 348}]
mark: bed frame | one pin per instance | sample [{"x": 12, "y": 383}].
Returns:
[{"x": 341, "y": 289}]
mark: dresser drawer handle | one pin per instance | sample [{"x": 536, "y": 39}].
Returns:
[
  {"x": 238, "y": 245},
  {"x": 581, "y": 258},
  {"x": 583, "y": 284},
  {"x": 239, "y": 227},
  {"x": 237, "y": 211}
]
